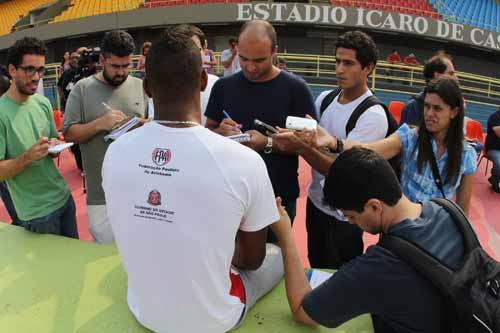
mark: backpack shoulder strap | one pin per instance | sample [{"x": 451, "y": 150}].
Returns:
[
  {"x": 423, "y": 262},
  {"x": 392, "y": 124},
  {"x": 458, "y": 216},
  {"x": 359, "y": 110},
  {"x": 328, "y": 100}
]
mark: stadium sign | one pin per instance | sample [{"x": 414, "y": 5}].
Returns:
[
  {"x": 370, "y": 19},
  {"x": 284, "y": 13}
]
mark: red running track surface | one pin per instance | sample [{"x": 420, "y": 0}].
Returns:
[{"x": 484, "y": 214}]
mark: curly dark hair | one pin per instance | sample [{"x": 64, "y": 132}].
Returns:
[
  {"x": 436, "y": 64},
  {"x": 365, "y": 47},
  {"x": 117, "y": 42},
  {"x": 26, "y": 45}
]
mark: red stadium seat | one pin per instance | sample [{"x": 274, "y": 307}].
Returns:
[
  {"x": 474, "y": 130},
  {"x": 395, "y": 108}
]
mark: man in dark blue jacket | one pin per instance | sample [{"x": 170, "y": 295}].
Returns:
[
  {"x": 439, "y": 64},
  {"x": 493, "y": 149}
]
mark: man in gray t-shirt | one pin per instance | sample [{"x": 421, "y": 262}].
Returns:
[{"x": 95, "y": 106}]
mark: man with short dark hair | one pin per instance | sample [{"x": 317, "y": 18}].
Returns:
[
  {"x": 95, "y": 106},
  {"x": 439, "y": 64},
  {"x": 179, "y": 233},
  {"x": 365, "y": 188},
  {"x": 493, "y": 149},
  {"x": 197, "y": 36},
  {"x": 229, "y": 58},
  {"x": 331, "y": 241},
  {"x": 262, "y": 91},
  {"x": 68, "y": 79},
  {"x": 41, "y": 197}
]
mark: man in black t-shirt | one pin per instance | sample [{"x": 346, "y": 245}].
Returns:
[
  {"x": 493, "y": 149},
  {"x": 439, "y": 64},
  {"x": 365, "y": 188},
  {"x": 261, "y": 91},
  {"x": 68, "y": 79},
  {"x": 65, "y": 84}
]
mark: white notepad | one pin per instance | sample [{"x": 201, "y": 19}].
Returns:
[
  {"x": 317, "y": 277},
  {"x": 240, "y": 137},
  {"x": 117, "y": 132},
  {"x": 60, "y": 147}
]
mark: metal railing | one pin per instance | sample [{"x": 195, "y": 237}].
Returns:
[{"x": 321, "y": 66}]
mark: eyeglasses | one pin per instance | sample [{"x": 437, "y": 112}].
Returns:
[{"x": 31, "y": 70}]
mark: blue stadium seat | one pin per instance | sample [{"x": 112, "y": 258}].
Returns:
[{"x": 480, "y": 13}]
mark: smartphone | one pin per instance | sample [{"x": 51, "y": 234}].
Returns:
[
  {"x": 265, "y": 126},
  {"x": 297, "y": 123}
]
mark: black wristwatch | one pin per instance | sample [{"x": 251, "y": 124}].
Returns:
[{"x": 339, "y": 149}]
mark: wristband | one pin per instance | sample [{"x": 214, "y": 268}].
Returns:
[{"x": 339, "y": 149}]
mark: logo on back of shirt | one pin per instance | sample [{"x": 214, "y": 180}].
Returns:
[
  {"x": 155, "y": 210},
  {"x": 161, "y": 156},
  {"x": 154, "y": 198}
]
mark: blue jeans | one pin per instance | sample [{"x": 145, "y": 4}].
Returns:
[
  {"x": 60, "y": 222},
  {"x": 494, "y": 156},
  {"x": 9, "y": 205}
]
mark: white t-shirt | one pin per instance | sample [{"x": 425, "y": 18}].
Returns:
[
  {"x": 235, "y": 65},
  {"x": 371, "y": 126},
  {"x": 205, "y": 96},
  {"x": 176, "y": 198}
]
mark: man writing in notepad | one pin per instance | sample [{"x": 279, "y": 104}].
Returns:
[
  {"x": 95, "y": 106},
  {"x": 41, "y": 198}
]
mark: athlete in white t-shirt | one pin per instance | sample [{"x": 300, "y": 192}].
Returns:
[
  {"x": 331, "y": 240},
  {"x": 189, "y": 208}
]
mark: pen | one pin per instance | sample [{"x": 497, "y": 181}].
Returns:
[
  {"x": 226, "y": 115},
  {"x": 107, "y": 106}
]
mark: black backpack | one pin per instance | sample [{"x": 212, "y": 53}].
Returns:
[
  {"x": 472, "y": 292},
  {"x": 392, "y": 124}
]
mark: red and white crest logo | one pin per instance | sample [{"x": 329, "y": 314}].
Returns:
[
  {"x": 161, "y": 156},
  {"x": 154, "y": 198}
]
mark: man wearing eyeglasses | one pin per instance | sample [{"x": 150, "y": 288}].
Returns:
[
  {"x": 40, "y": 195},
  {"x": 95, "y": 106}
]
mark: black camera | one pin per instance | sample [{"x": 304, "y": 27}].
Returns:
[{"x": 87, "y": 65}]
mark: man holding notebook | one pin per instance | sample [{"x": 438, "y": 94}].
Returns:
[
  {"x": 41, "y": 198},
  {"x": 95, "y": 106}
]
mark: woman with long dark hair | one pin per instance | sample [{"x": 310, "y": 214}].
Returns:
[{"x": 439, "y": 136}]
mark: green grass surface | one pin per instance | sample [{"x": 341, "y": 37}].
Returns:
[{"x": 60, "y": 285}]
